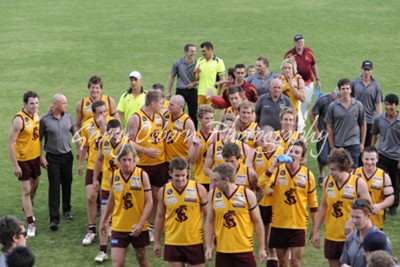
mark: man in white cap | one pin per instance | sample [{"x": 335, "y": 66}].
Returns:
[{"x": 132, "y": 100}]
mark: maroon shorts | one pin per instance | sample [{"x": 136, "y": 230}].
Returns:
[
  {"x": 158, "y": 174},
  {"x": 287, "y": 238},
  {"x": 30, "y": 169},
  {"x": 333, "y": 249},
  {"x": 89, "y": 177},
  {"x": 123, "y": 239},
  {"x": 104, "y": 197},
  {"x": 266, "y": 214},
  {"x": 193, "y": 254},
  {"x": 235, "y": 259}
]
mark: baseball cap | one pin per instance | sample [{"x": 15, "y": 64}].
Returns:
[
  {"x": 367, "y": 65},
  {"x": 135, "y": 74},
  {"x": 298, "y": 37},
  {"x": 375, "y": 240}
]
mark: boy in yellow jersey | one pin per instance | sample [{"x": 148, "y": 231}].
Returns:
[
  {"x": 246, "y": 126},
  {"x": 24, "y": 150},
  {"x": 106, "y": 164},
  {"x": 379, "y": 185},
  {"x": 164, "y": 110},
  {"x": 91, "y": 134},
  {"x": 339, "y": 191},
  {"x": 180, "y": 209},
  {"x": 130, "y": 203},
  {"x": 236, "y": 97},
  {"x": 287, "y": 135},
  {"x": 260, "y": 161},
  {"x": 84, "y": 106},
  {"x": 293, "y": 188},
  {"x": 206, "y": 136},
  {"x": 294, "y": 88},
  {"x": 232, "y": 216},
  {"x": 226, "y": 134},
  {"x": 146, "y": 129}
]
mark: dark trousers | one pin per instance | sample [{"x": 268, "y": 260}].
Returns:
[
  {"x": 390, "y": 167},
  {"x": 59, "y": 172},
  {"x": 190, "y": 96}
]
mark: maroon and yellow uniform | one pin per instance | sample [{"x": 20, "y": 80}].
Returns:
[
  {"x": 110, "y": 152},
  {"x": 86, "y": 107},
  {"x": 376, "y": 184},
  {"x": 128, "y": 193},
  {"x": 233, "y": 223},
  {"x": 150, "y": 136},
  {"x": 338, "y": 201},
  {"x": 27, "y": 145},
  {"x": 288, "y": 91},
  {"x": 292, "y": 193},
  {"x": 176, "y": 139},
  {"x": 248, "y": 135},
  {"x": 199, "y": 175},
  {"x": 284, "y": 140},
  {"x": 183, "y": 223},
  {"x": 243, "y": 177},
  {"x": 230, "y": 110},
  {"x": 217, "y": 152}
]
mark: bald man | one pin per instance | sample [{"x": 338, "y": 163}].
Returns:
[
  {"x": 179, "y": 131},
  {"x": 56, "y": 128}
]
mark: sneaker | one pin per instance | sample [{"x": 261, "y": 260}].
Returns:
[
  {"x": 101, "y": 256},
  {"x": 54, "y": 226},
  {"x": 68, "y": 215},
  {"x": 31, "y": 230},
  {"x": 151, "y": 235},
  {"x": 90, "y": 237}
]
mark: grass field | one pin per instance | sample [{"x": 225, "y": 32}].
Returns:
[{"x": 55, "y": 46}]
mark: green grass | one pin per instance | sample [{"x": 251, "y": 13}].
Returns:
[{"x": 55, "y": 46}]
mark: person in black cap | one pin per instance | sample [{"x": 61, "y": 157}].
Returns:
[
  {"x": 369, "y": 92},
  {"x": 307, "y": 69},
  {"x": 376, "y": 241}
]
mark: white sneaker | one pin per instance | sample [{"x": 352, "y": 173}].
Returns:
[
  {"x": 101, "y": 256},
  {"x": 90, "y": 237},
  {"x": 151, "y": 235},
  {"x": 31, "y": 230}
]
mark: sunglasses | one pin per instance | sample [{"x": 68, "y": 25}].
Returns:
[
  {"x": 25, "y": 234},
  {"x": 360, "y": 203}
]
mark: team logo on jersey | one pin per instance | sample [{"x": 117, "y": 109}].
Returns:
[
  {"x": 359, "y": 175},
  {"x": 290, "y": 198},
  {"x": 87, "y": 103},
  {"x": 282, "y": 172},
  {"x": 91, "y": 124},
  {"x": 144, "y": 118},
  {"x": 219, "y": 148},
  {"x": 330, "y": 184},
  {"x": 229, "y": 219},
  {"x": 169, "y": 192},
  {"x": 117, "y": 178},
  {"x": 259, "y": 155},
  {"x": 337, "y": 209},
  {"x": 127, "y": 199},
  {"x": 26, "y": 119},
  {"x": 181, "y": 213},
  {"x": 106, "y": 143},
  {"x": 218, "y": 195}
]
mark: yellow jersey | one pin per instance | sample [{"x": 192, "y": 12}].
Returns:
[
  {"x": 233, "y": 224},
  {"x": 128, "y": 193},
  {"x": 27, "y": 145},
  {"x": 86, "y": 107},
  {"x": 248, "y": 135},
  {"x": 243, "y": 177},
  {"x": 183, "y": 223},
  {"x": 176, "y": 138},
  {"x": 217, "y": 152},
  {"x": 288, "y": 91},
  {"x": 199, "y": 175},
  {"x": 285, "y": 140}
]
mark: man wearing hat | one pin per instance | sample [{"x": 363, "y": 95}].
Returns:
[
  {"x": 306, "y": 68},
  {"x": 132, "y": 100},
  {"x": 353, "y": 252},
  {"x": 368, "y": 91}
]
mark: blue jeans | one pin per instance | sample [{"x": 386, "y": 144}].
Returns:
[{"x": 355, "y": 153}]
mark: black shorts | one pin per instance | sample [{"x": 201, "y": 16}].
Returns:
[
  {"x": 235, "y": 259},
  {"x": 123, "y": 239},
  {"x": 287, "y": 238},
  {"x": 333, "y": 249},
  {"x": 158, "y": 174},
  {"x": 266, "y": 214},
  {"x": 193, "y": 254},
  {"x": 30, "y": 169}
]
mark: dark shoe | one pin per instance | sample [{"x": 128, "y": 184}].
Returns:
[
  {"x": 68, "y": 215},
  {"x": 393, "y": 211},
  {"x": 54, "y": 226}
]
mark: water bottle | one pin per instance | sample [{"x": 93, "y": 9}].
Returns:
[
  {"x": 282, "y": 158},
  {"x": 318, "y": 92}
]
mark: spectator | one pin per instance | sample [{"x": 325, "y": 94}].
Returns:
[
  {"x": 12, "y": 235},
  {"x": 261, "y": 80}
]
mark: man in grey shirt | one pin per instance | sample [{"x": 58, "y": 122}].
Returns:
[
  {"x": 387, "y": 127},
  {"x": 186, "y": 84},
  {"x": 345, "y": 120},
  {"x": 368, "y": 91},
  {"x": 270, "y": 105},
  {"x": 262, "y": 79},
  {"x": 56, "y": 128}
]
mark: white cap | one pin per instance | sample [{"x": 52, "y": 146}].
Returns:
[{"x": 135, "y": 74}]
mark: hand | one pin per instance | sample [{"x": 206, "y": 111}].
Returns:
[
  {"x": 152, "y": 152},
  {"x": 197, "y": 70},
  {"x": 375, "y": 208},
  {"x": 190, "y": 85},
  {"x": 100, "y": 120},
  {"x": 315, "y": 240},
  {"x": 136, "y": 230},
  {"x": 80, "y": 170},
  {"x": 157, "y": 249},
  {"x": 263, "y": 255},
  {"x": 168, "y": 96},
  {"x": 96, "y": 184},
  {"x": 103, "y": 229},
  {"x": 209, "y": 254},
  {"x": 43, "y": 162},
  {"x": 361, "y": 148},
  {"x": 17, "y": 171},
  {"x": 196, "y": 140}
]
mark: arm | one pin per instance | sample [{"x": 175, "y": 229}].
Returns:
[
  {"x": 98, "y": 167},
  {"x": 319, "y": 219},
  {"x": 189, "y": 128},
  {"x": 221, "y": 83},
  {"x": 196, "y": 149},
  {"x": 159, "y": 223},
  {"x": 253, "y": 179},
  {"x": 249, "y": 161},
  {"x": 388, "y": 192},
  {"x": 362, "y": 190},
  {"x": 109, "y": 210},
  {"x": 258, "y": 224},
  {"x": 42, "y": 133},
  {"x": 329, "y": 127},
  {"x": 209, "y": 227},
  {"x": 82, "y": 154},
  {"x": 299, "y": 94},
  {"x": 316, "y": 74},
  {"x": 203, "y": 200},
  {"x": 363, "y": 132},
  {"x": 378, "y": 108},
  {"x": 170, "y": 84},
  {"x": 374, "y": 139},
  {"x": 209, "y": 162},
  {"x": 314, "y": 124},
  {"x": 16, "y": 127},
  {"x": 312, "y": 199},
  {"x": 148, "y": 205},
  {"x": 79, "y": 116},
  {"x": 113, "y": 109}
]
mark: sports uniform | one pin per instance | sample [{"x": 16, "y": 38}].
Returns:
[
  {"x": 248, "y": 135},
  {"x": 199, "y": 175},
  {"x": 176, "y": 144},
  {"x": 86, "y": 107},
  {"x": 284, "y": 140}
]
